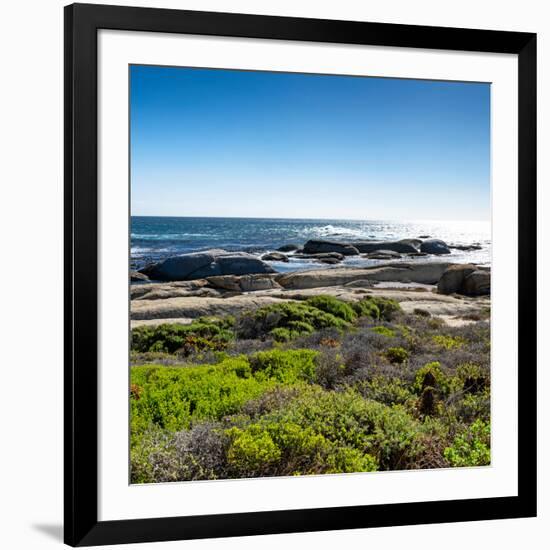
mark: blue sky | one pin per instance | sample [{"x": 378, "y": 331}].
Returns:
[{"x": 208, "y": 142}]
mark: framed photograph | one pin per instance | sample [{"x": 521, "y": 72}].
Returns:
[{"x": 300, "y": 274}]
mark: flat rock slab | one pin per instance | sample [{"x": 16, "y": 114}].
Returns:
[
  {"x": 184, "y": 309},
  {"x": 426, "y": 273},
  {"x": 193, "y": 307}
]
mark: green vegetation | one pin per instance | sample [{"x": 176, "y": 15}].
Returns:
[
  {"x": 396, "y": 355},
  {"x": 385, "y": 331},
  {"x": 335, "y": 307},
  {"x": 471, "y": 447},
  {"x": 308, "y": 387},
  {"x": 204, "y": 334},
  {"x": 448, "y": 342}
]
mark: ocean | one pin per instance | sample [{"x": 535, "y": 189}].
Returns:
[{"x": 154, "y": 238}]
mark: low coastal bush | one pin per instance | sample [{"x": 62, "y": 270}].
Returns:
[
  {"x": 348, "y": 420},
  {"x": 471, "y": 448},
  {"x": 274, "y": 448},
  {"x": 173, "y": 397},
  {"x": 377, "y": 308},
  {"x": 308, "y": 387},
  {"x": 448, "y": 342},
  {"x": 298, "y": 318},
  {"x": 396, "y": 355},
  {"x": 201, "y": 335},
  {"x": 390, "y": 391},
  {"x": 384, "y": 331},
  {"x": 284, "y": 366},
  {"x": 332, "y": 305}
]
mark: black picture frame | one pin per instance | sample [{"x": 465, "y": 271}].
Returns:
[{"x": 82, "y": 22}]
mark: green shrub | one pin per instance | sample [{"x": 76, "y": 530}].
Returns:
[
  {"x": 367, "y": 308},
  {"x": 298, "y": 317},
  {"x": 448, "y": 342},
  {"x": 346, "y": 419},
  {"x": 173, "y": 397},
  {"x": 294, "y": 329},
  {"x": 345, "y": 460},
  {"x": 472, "y": 447},
  {"x": 287, "y": 448},
  {"x": 201, "y": 335},
  {"x": 332, "y": 305},
  {"x": 384, "y": 331},
  {"x": 396, "y": 355},
  {"x": 252, "y": 451},
  {"x": 281, "y": 334},
  {"x": 390, "y": 391},
  {"x": 286, "y": 367},
  {"x": 300, "y": 327}
]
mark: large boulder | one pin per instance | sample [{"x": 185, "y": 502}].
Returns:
[
  {"x": 477, "y": 283},
  {"x": 434, "y": 246},
  {"x": 241, "y": 263},
  {"x": 181, "y": 268},
  {"x": 314, "y": 246},
  {"x": 200, "y": 265},
  {"x": 402, "y": 246},
  {"x": 452, "y": 280}
]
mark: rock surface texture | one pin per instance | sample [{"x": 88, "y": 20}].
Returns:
[
  {"x": 199, "y": 265},
  {"x": 320, "y": 246},
  {"x": 434, "y": 246},
  {"x": 465, "y": 279}
]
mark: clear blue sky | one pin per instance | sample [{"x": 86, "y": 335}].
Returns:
[{"x": 256, "y": 144}]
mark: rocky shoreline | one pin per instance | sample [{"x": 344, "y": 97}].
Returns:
[{"x": 216, "y": 282}]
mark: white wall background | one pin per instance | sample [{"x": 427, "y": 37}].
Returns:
[{"x": 31, "y": 101}]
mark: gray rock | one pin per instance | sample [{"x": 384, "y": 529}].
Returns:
[
  {"x": 252, "y": 283},
  {"x": 424, "y": 237},
  {"x": 180, "y": 268},
  {"x": 465, "y": 247},
  {"x": 360, "y": 283},
  {"x": 200, "y": 265},
  {"x": 241, "y": 263},
  {"x": 136, "y": 276},
  {"x": 402, "y": 246},
  {"x": 383, "y": 255},
  {"x": 426, "y": 273},
  {"x": 452, "y": 280},
  {"x": 477, "y": 283},
  {"x": 225, "y": 282},
  {"x": 319, "y": 246},
  {"x": 245, "y": 283},
  {"x": 288, "y": 248},
  {"x": 434, "y": 246},
  {"x": 275, "y": 257},
  {"x": 323, "y": 256}
]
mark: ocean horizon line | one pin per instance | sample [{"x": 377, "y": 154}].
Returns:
[{"x": 365, "y": 220}]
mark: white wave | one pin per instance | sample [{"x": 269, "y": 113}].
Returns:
[
  {"x": 163, "y": 236},
  {"x": 333, "y": 231}
]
